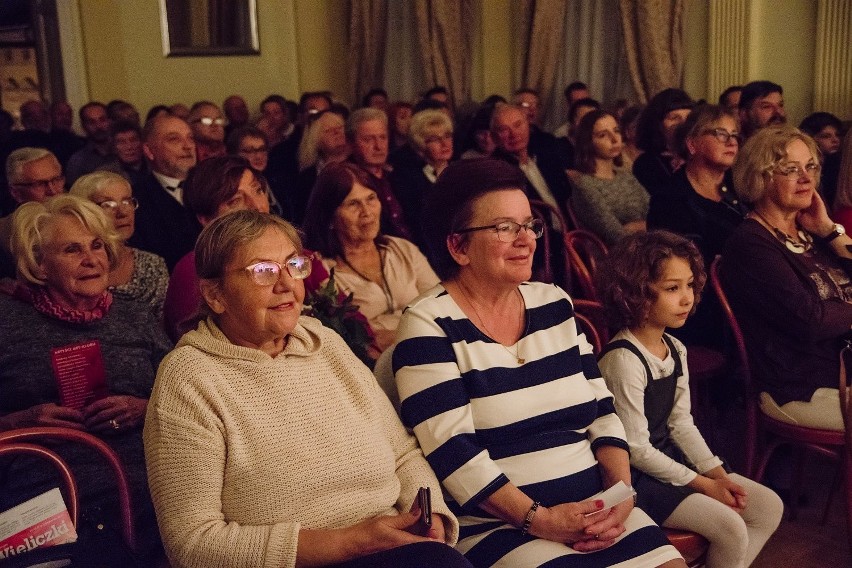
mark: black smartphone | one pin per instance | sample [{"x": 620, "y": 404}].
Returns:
[{"x": 424, "y": 501}]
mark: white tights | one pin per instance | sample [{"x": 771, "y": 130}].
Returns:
[{"x": 735, "y": 540}]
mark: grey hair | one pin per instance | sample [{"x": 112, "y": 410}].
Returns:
[{"x": 22, "y": 156}]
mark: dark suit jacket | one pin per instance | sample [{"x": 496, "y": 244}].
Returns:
[
  {"x": 163, "y": 226},
  {"x": 552, "y": 170}
]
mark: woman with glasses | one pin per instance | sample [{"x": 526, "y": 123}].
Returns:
[
  {"x": 383, "y": 273},
  {"x": 137, "y": 275},
  {"x": 702, "y": 205},
  {"x": 267, "y": 441},
  {"x": 504, "y": 395},
  {"x": 607, "y": 200},
  {"x": 431, "y": 138},
  {"x": 77, "y": 356},
  {"x": 786, "y": 270},
  {"x": 251, "y": 143}
]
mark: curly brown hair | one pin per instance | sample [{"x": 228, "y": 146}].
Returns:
[{"x": 624, "y": 280}]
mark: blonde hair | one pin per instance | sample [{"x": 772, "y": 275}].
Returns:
[
  {"x": 309, "y": 146},
  {"x": 224, "y": 235},
  {"x": 424, "y": 120},
  {"x": 844, "y": 178},
  {"x": 761, "y": 154},
  {"x": 30, "y": 231},
  {"x": 91, "y": 183}
]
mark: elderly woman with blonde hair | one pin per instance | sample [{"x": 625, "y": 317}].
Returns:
[
  {"x": 787, "y": 270},
  {"x": 64, "y": 250},
  {"x": 431, "y": 137},
  {"x": 138, "y": 275},
  {"x": 268, "y": 442}
]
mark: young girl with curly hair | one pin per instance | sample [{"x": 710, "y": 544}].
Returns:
[{"x": 650, "y": 282}]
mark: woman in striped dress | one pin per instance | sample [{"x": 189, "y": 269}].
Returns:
[{"x": 504, "y": 394}]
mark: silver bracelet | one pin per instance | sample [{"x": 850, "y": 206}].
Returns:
[{"x": 525, "y": 529}]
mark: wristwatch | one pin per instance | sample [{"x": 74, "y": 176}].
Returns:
[{"x": 836, "y": 232}]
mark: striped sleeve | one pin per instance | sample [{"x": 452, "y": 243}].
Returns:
[
  {"x": 435, "y": 404},
  {"x": 607, "y": 428}
]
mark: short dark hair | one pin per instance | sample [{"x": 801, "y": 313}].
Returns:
[
  {"x": 236, "y": 137},
  {"x": 584, "y": 149},
  {"x": 122, "y": 126},
  {"x": 365, "y": 101},
  {"x": 575, "y": 86},
  {"x": 723, "y": 98},
  {"x": 436, "y": 91},
  {"x": 584, "y": 102},
  {"x": 449, "y": 206},
  {"x": 277, "y": 99},
  {"x": 815, "y": 122},
  {"x": 155, "y": 110},
  {"x": 624, "y": 278},
  {"x": 213, "y": 182},
  {"x": 757, "y": 90},
  {"x": 306, "y": 96},
  {"x": 649, "y": 131},
  {"x": 87, "y": 106},
  {"x": 428, "y": 104},
  {"x": 333, "y": 184}
]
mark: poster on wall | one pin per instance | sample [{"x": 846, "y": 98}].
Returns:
[{"x": 18, "y": 78}]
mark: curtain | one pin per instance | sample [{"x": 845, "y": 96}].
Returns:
[
  {"x": 367, "y": 41},
  {"x": 542, "y": 30},
  {"x": 444, "y": 37},
  {"x": 583, "y": 41},
  {"x": 653, "y": 37}
]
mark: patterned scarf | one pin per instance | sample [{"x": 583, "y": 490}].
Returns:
[{"x": 39, "y": 297}]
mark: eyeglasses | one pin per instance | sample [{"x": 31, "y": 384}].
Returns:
[
  {"x": 45, "y": 183},
  {"x": 795, "y": 171},
  {"x": 723, "y": 135},
  {"x": 207, "y": 121},
  {"x": 508, "y": 231},
  {"x": 111, "y": 205},
  {"x": 267, "y": 272}
]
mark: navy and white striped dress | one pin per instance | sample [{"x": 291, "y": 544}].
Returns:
[{"x": 484, "y": 420}]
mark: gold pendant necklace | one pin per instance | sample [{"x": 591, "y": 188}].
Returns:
[{"x": 517, "y": 353}]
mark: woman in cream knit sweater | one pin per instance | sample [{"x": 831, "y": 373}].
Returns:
[{"x": 268, "y": 443}]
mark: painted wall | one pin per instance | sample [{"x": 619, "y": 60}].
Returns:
[
  {"x": 782, "y": 50},
  {"x": 303, "y": 47}
]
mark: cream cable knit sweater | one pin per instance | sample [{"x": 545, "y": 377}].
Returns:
[{"x": 244, "y": 449}]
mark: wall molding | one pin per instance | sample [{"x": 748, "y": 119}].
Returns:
[{"x": 833, "y": 61}]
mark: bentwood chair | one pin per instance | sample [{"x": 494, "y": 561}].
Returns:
[
  {"x": 32, "y": 441},
  {"x": 764, "y": 434},
  {"x": 556, "y": 260},
  {"x": 585, "y": 252}
]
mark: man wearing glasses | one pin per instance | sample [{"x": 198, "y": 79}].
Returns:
[
  {"x": 34, "y": 174},
  {"x": 208, "y": 128}
]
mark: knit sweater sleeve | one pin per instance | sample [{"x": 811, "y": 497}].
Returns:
[
  {"x": 185, "y": 452},
  {"x": 594, "y": 211}
]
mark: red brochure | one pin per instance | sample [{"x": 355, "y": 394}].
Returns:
[{"x": 79, "y": 372}]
